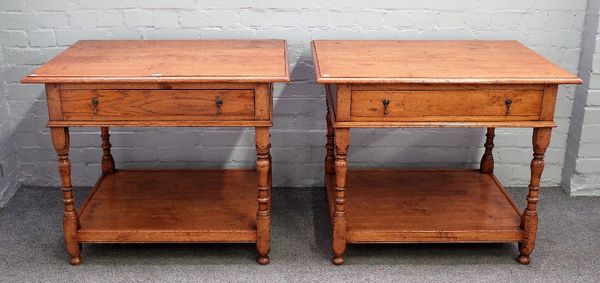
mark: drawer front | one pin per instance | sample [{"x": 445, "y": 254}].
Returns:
[
  {"x": 157, "y": 105},
  {"x": 440, "y": 105}
]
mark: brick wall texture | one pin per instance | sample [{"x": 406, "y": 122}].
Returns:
[
  {"x": 34, "y": 31},
  {"x": 581, "y": 171}
]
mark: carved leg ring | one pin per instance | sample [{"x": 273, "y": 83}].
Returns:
[
  {"x": 529, "y": 219},
  {"x": 342, "y": 137},
  {"x": 60, "y": 139},
  {"x": 263, "y": 217}
]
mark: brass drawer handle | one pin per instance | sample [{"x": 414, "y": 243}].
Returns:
[
  {"x": 219, "y": 103},
  {"x": 95, "y": 104},
  {"x": 386, "y": 103},
  {"x": 508, "y": 102}
]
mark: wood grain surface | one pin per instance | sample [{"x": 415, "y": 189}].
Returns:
[
  {"x": 420, "y": 61},
  {"x": 157, "y": 105},
  {"x": 427, "y": 206},
  {"x": 96, "y": 61},
  {"x": 171, "y": 206},
  {"x": 446, "y": 105}
]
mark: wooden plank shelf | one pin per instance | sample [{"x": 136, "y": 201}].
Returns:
[
  {"x": 419, "y": 206},
  {"x": 159, "y": 206}
]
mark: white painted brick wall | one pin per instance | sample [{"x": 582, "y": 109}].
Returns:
[
  {"x": 33, "y": 31},
  {"x": 583, "y": 158},
  {"x": 8, "y": 152}
]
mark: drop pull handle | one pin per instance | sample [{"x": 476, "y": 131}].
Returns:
[
  {"x": 95, "y": 104},
  {"x": 219, "y": 103},
  {"x": 508, "y": 103},
  {"x": 386, "y": 103}
]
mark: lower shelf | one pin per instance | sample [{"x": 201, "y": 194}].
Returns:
[
  {"x": 405, "y": 206},
  {"x": 150, "y": 206}
]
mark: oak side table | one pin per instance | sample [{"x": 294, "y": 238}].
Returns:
[
  {"x": 433, "y": 84},
  {"x": 193, "y": 83}
]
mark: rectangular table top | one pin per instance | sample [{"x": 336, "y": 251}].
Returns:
[
  {"x": 112, "y": 61},
  {"x": 420, "y": 61}
]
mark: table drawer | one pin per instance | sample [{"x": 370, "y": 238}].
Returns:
[
  {"x": 441, "y": 105},
  {"x": 150, "y": 104}
]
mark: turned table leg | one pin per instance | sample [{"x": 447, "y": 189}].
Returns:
[
  {"x": 330, "y": 146},
  {"x": 108, "y": 162},
  {"x": 487, "y": 160},
  {"x": 529, "y": 219},
  {"x": 60, "y": 139},
  {"x": 270, "y": 184},
  {"x": 263, "y": 217},
  {"x": 342, "y": 138}
]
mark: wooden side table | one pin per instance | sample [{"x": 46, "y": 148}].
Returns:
[
  {"x": 437, "y": 84},
  {"x": 223, "y": 83}
]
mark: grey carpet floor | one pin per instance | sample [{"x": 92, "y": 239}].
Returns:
[{"x": 31, "y": 248}]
